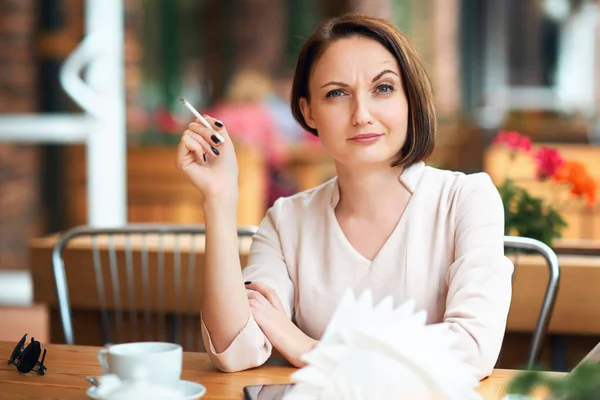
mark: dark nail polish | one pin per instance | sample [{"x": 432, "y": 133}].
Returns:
[
  {"x": 247, "y": 282},
  {"x": 219, "y": 124},
  {"x": 215, "y": 139},
  {"x": 214, "y": 150},
  {"x": 204, "y": 157}
]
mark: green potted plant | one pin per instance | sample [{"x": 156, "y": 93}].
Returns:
[
  {"x": 581, "y": 384},
  {"x": 529, "y": 216},
  {"x": 524, "y": 214}
]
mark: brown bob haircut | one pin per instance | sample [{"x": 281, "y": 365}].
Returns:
[{"x": 422, "y": 124}]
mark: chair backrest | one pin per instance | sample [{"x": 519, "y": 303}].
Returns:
[
  {"x": 541, "y": 328},
  {"x": 142, "y": 280}
]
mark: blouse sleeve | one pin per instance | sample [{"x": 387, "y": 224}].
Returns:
[
  {"x": 251, "y": 348},
  {"x": 480, "y": 279}
]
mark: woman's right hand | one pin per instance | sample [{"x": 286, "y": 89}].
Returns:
[{"x": 210, "y": 165}]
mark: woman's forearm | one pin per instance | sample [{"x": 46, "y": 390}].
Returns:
[
  {"x": 225, "y": 309},
  {"x": 303, "y": 345}
]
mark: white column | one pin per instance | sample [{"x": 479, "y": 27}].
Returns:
[{"x": 106, "y": 149}]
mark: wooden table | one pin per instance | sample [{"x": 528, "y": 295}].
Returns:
[
  {"x": 69, "y": 365},
  {"x": 580, "y": 247}
]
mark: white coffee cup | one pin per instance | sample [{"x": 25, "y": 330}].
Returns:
[{"x": 158, "y": 362}]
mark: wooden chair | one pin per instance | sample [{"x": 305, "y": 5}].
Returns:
[{"x": 144, "y": 282}]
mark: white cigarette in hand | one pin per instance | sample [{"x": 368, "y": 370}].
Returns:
[{"x": 201, "y": 118}]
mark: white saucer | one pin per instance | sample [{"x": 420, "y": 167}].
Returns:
[{"x": 190, "y": 390}]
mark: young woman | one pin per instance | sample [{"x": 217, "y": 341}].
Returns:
[{"x": 387, "y": 222}]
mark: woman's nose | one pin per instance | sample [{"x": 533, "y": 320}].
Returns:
[{"x": 362, "y": 114}]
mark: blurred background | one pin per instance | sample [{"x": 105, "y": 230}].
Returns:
[{"x": 103, "y": 154}]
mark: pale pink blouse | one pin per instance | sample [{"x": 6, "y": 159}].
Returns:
[{"x": 446, "y": 253}]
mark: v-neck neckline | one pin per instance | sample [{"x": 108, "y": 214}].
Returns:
[{"x": 409, "y": 178}]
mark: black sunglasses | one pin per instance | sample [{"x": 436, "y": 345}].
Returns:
[{"x": 26, "y": 358}]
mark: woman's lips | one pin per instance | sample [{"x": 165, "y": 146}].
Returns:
[{"x": 366, "y": 138}]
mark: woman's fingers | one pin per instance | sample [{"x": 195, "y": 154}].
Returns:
[
  {"x": 268, "y": 293},
  {"x": 213, "y": 137},
  {"x": 183, "y": 154},
  {"x": 188, "y": 151},
  {"x": 257, "y": 299},
  {"x": 221, "y": 133},
  {"x": 198, "y": 131},
  {"x": 207, "y": 147}
]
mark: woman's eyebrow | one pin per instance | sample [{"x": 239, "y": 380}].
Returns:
[
  {"x": 382, "y": 73},
  {"x": 377, "y": 77},
  {"x": 334, "y": 83}
]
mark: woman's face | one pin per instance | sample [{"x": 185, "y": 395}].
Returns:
[{"x": 357, "y": 102}]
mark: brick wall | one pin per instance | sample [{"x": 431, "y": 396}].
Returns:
[
  {"x": 17, "y": 66},
  {"x": 22, "y": 209},
  {"x": 19, "y": 164}
]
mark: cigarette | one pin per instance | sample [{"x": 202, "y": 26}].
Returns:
[{"x": 201, "y": 118}]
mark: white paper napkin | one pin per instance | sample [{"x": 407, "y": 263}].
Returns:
[{"x": 375, "y": 352}]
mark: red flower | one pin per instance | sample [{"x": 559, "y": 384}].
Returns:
[
  {"x": 582, "y": 184},
  {"x": 514, "y": 141},
  {"x": 548, "y": 162}
]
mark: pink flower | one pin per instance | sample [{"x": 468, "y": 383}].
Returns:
[
  {"x": 548, "y": 162},
  {"x": 514, "y": 141}
]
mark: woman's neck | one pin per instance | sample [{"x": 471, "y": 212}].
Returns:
[{"x": 370, "y": 192}]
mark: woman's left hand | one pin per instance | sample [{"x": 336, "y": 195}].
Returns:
[{"x": 283, "y": 334}]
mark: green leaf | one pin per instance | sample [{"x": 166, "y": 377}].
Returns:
[
  {"x": 583, "y": 383},
  {"x": 529, "y": 216}
]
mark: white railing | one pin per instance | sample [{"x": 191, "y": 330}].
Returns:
[{"x": 101, "y": 127}]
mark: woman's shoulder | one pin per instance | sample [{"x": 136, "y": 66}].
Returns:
[
  {"x": 459, "y": 189},
  {"x": 458, "y": 180}
]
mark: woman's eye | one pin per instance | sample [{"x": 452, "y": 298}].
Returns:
[
  {"x": 335, "y": 93},
  {"x": 385, "y": 88}
]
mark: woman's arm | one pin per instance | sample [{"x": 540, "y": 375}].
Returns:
[
  {"x": 250, "y": 347},
  {"x": 225, "y": 309},
  {"x": 211, "y": 166},
  {"x": 480, "y": 279},
  {"x": 270, "y": 315}
]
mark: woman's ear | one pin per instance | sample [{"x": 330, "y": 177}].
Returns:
[{"x": 307, "y": 113}]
